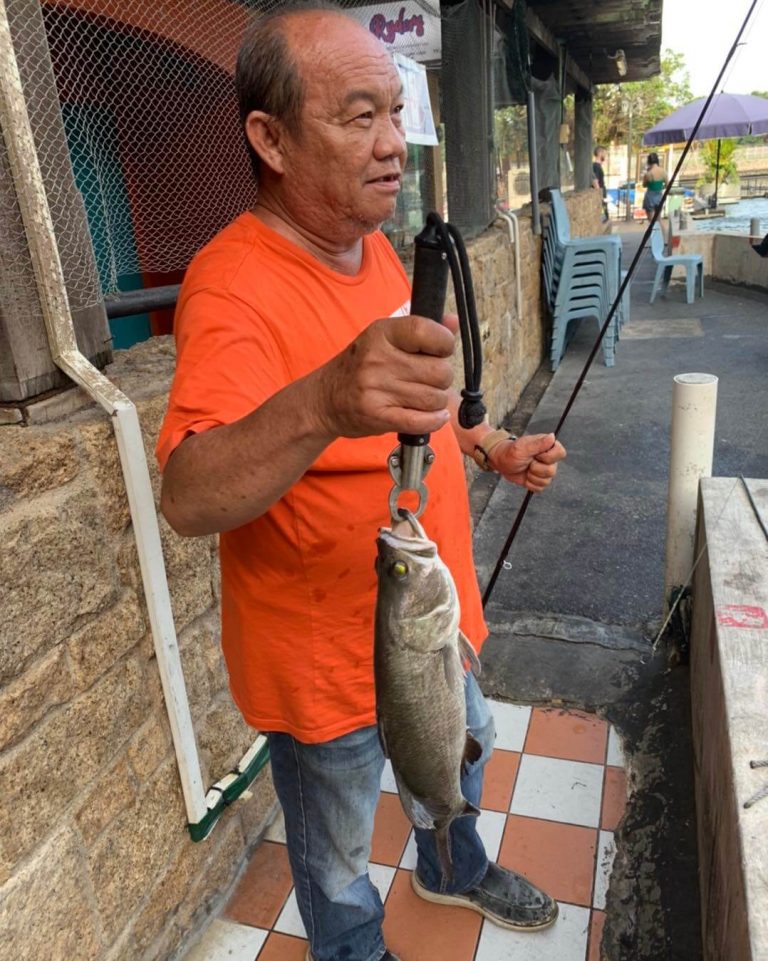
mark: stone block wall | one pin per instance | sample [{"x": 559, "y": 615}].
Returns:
[
  {"x": 513, "y": 335},
  {"x": 96, "y": 863},
  {"x": 95, "y": 858},
  {"x": 516, "y": 338},
  {"x": 585, "y": 212}
]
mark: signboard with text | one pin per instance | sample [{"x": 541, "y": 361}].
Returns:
[{"x": 405, "y": 28}]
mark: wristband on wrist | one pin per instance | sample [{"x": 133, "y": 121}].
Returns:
[{"x": 482, "y": 451}]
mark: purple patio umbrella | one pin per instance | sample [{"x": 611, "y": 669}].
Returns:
[{"x": 729, "y": 115}]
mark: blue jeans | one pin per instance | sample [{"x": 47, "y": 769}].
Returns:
[{"x": 329, "y": 794}]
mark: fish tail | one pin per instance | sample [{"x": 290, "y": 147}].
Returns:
[
  {"x": 443, "y": 841},
  {"x": 443, "y": 844}
]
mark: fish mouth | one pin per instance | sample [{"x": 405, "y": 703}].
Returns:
[
  {"x": 408, "y": 520},
  {"x": 406, "y": 528},
  {"x": 407, "y": 534}
]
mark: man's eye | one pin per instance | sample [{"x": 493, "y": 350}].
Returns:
[
  {"x": 367, "y": 116},
  {"x": 399, "y": 109}
]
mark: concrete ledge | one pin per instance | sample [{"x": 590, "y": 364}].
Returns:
[
  {"x": 727, "y": 257},
  {"x": 729, "y": 702}
]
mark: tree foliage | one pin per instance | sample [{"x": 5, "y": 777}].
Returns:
[
  {"x": 708, "y": 155},
  {"x": 650, "y": 101},
  {"x": 511, "y": 136}
]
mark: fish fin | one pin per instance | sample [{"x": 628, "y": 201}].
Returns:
[
  {"x": 454, "y": 672},
  {"x": 469, "y": 653},
  {"x": 472, "y": 751},
  {"x": 418, "y": 813},
  {"x": 443, "y": 845},
  {"x": 443, "y": 839}
]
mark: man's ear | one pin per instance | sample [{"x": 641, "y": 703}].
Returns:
[{"x": 265, "y": 134}]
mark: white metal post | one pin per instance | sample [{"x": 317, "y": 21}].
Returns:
[{"x": 694, "y": 404}]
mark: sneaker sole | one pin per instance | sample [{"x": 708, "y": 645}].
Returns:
[
  {"x": 308, "y": 955},
  {"x": 461, "y": 902}
]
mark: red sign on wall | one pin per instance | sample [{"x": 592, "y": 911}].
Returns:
[{"x": 742, "y": 615}]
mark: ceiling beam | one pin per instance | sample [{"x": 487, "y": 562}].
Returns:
[{"x": 545, "y": 38}]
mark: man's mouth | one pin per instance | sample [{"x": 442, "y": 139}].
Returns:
[{"x": 393, "y": 178}]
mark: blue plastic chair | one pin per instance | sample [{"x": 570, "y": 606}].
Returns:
[
  {"x": 580, "y": 292},
  {"x": 693, "y": 263},
  {"x": 581, "y": 279}
]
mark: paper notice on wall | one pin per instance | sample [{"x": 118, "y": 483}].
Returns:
[{"x": 417, "y": 117}]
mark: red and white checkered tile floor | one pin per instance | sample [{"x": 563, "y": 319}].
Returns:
[{"x": 555, "y": 791}]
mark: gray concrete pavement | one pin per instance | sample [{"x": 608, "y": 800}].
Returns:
[{"x": 593, "y": 545}]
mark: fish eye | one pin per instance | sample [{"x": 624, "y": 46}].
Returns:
[{"x": 399, "y": 569}]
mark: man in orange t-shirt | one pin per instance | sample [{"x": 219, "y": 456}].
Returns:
[{"x": 298, "y": 362}]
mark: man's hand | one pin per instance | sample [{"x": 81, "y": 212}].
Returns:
[
  {"x": 530, "y": 461},
  {"x": 394, "y": 377}
]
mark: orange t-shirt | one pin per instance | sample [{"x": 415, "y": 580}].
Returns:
[{"x": 255, "y": 313}]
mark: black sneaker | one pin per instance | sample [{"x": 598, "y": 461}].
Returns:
[
  {"x": 505, "y": 898},
  {"x": 387, "y": 956}
]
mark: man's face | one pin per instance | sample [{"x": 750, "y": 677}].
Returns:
[
  {"x": 601, "y": 156},
  {"x": 342, "y": 171}
]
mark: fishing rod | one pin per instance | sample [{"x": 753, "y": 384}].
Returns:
[
  {"x": 439, "y": 248},
  {"x": 502, "y": 559}
]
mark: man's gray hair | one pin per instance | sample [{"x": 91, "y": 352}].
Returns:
[{"x": 266, "y": 75}]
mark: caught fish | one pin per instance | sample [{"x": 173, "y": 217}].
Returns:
[{"x": 418, "y": 660}]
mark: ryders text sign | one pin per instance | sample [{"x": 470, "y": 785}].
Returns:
[{"x": 405, "y": 28}]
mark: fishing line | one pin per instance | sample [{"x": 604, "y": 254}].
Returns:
[
  {"x": 614, "y": 306},
  {"x": 679, "y": 596},
  {"x": 689, "y": 578}
]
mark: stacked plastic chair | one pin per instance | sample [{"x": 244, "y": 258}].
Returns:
[{"x": 581, "y": 279}]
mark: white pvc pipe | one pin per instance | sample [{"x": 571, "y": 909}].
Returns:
[
  {"x": 44, "y": 254},
  {"x": 694, "y": 405},
  {"x": 513, "y": 226}
]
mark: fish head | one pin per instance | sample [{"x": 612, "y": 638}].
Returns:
[{"x": 417, "y": 599}]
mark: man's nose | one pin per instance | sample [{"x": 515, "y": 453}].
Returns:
[{"x": 390, "y": 140}]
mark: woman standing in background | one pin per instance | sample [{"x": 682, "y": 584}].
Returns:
[{"x": 654, "y": 179}]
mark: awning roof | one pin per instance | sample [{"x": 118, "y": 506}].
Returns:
[{"x": 593, "y": 30}]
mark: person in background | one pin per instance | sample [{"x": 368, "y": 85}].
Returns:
[
  {"x": 598, "y": 177},
  {"x": 654, "y": 179}
]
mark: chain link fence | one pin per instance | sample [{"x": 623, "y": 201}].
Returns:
[{"x": 136, "y": 99}]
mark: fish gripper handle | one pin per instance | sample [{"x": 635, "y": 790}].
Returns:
[
  {"x": 430, "y": 285},
  {"x": 409, "y": 463}
]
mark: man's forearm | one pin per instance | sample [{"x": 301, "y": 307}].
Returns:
[{"x": 227, "y": 476}]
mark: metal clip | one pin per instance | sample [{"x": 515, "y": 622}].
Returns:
[{"x": 408, "y": 466}]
